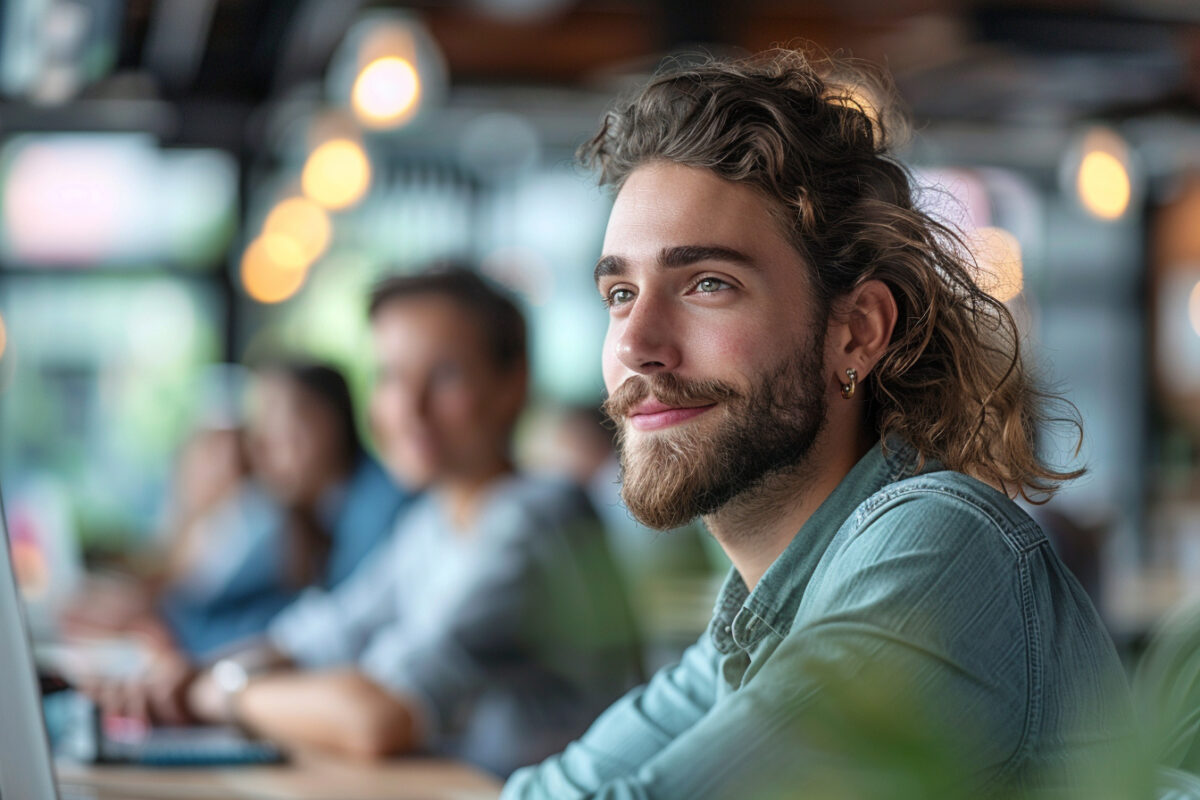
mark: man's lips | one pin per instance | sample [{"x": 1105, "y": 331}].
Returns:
[{"x": 651, "y": 415}]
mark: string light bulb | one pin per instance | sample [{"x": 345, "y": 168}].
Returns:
[
  {"x": 298, "y": 231},
  {"x": 265, "y": 279},
  {"x": 1102, "y": 181},
  {"x": 386, "y": 93},
  {"x": 337, "y": 174}
]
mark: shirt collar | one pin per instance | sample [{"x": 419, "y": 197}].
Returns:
[{"x": 741, "y": 618}]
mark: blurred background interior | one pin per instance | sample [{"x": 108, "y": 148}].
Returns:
[{"x": 187, "y": 185}]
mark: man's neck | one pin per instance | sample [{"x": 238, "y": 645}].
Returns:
[
  {"x": 758, "y": 525},
  {"x": 463, "y": 495}
]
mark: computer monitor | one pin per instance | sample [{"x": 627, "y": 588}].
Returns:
[{"x": 26, "y": 769}]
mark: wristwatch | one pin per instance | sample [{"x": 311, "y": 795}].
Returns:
[{"x": 231, "y": 677}]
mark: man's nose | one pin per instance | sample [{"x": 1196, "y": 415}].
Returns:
[
  {"x": 647, "y": 342},
  {"x": 408, "y": 399},
  {"x": 420, "y": 399}
]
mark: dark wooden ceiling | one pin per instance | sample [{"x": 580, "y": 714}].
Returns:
[
  {"x": 981, "y": 60},
  {"x": 247, "y": 38}
]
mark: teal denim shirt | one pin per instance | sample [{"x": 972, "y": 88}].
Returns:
[{"x": 933, "y": 578}]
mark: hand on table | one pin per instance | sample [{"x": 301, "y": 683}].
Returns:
[{"x": 157, "y": 695}]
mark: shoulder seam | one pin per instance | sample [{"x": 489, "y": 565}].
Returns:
[{"x": 1008, "y": 529}]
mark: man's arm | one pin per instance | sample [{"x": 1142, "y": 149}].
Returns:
[
  {"x": 633, "y": 731},
  {"x": 340, "y": 711},
  {"x": 333, "y": 707},
  {"x": 319, "y": 630},
  {"x": 329, "y": 628}
]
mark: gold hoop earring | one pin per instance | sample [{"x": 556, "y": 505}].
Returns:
[{"x": 848, "y": 388}]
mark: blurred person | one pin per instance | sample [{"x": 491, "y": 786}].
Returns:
[
  {"x": 294, "y": 501},
  {"x": 337, "y": 505},
  {"x": 799, "y": 355},
  {"x": 493, "y": 627}
]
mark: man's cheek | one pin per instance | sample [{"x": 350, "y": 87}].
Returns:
[{"x": 735, "y": 344}]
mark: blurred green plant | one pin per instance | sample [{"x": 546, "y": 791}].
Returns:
[{"x": 872, "y": 734}]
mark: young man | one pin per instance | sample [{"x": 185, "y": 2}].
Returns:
[
  {"x": 491, "y": 627},
  {"x": 801, "y": 357}
]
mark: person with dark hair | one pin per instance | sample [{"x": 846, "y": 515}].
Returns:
[
  {"x": 287, "y": 508},
  {"x": 337, "y": 504},
  {"x": 493, "y": 627},
  {"x": 802, "y": 357}
]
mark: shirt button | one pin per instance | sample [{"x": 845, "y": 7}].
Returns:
[{"x": 729, "y": 629}]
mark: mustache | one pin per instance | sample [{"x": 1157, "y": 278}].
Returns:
[{"x": 668, "y": 388}]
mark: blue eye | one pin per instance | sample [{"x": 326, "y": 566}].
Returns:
[
  {"x": 709, "y": 285},
  {"x": 617, "y": 296}
]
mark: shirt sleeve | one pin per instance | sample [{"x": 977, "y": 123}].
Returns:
[
  {"x": 904, "y": 597},
  {"x": 326, "y": 628},
  {"x": 632, "y": 731},
  {"x": 441, "y": 654}
]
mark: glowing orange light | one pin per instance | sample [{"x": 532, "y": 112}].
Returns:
[
  {"x": 386, "y": 92},
  {"x": 1103, "y": 182},
  {"x": 337, "y": 174},
  {"x": 1194, "y": 308},
  {"x": 264, "y": 279},
  {"x": 998, "y": 255},
  {"x": 284, "y": 251},
  {"x": 297, "y": 231},
  {"x": 3, "y": 337}
]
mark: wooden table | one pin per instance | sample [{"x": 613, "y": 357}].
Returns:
[{"x": 307, "y": 777}]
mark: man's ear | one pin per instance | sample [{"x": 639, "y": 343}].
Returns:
[{"x": 860, "y": 328}]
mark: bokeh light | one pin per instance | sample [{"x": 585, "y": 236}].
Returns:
[
  {"x": 386, "y": 92},
  {"x": 284, "y": 251},
  {"x": 1103, "y": 182},
  {"x": 998, "y": 256},
  {"x": 300, "y": 229},
  {"x": 1194, "y": 308},
  {"x": 3, "y": 337},
  {"x": 337, "y": 174},
  {"x": 265, "y": 279},
  {"x": 68, "y": 201}
]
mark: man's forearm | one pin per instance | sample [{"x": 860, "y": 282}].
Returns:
[{"x": 340, "y": 711}]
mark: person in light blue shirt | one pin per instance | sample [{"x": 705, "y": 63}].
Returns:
[
  {"x": 492, "y": 626},
  {"x": 803, "y": 358}
]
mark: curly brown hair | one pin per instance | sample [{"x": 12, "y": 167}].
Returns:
[{"x": 952, "y": 381}]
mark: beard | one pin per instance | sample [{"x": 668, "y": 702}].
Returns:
[{"x": 671, "y": 477}]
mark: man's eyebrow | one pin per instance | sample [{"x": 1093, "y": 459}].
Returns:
[
  {"x": 686, "y": 255},
  {"x": 680, "y": 256},
  {"x": 608, "y": 266}
]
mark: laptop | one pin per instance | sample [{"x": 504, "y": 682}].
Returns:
[
  {"x": 26, "y": 770},
  {"x": 26, "y": 763}
]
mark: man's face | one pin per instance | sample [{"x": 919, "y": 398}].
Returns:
[
  {"x": 441, "y": 409},
  {"x": 714, "y": 357}
]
